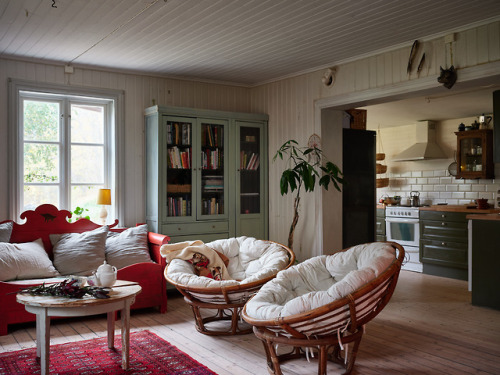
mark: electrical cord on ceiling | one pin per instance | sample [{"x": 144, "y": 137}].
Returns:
[
  {"x": 115, "y": 30},
  {"x": 54, "y": 4}
]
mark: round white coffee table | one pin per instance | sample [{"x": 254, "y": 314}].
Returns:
[{"x": 122, "y": 296}]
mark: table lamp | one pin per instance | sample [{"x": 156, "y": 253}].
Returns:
[{"x": 104, "y": 199}]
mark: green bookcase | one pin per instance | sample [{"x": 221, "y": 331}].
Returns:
[{"x": 206, "y": 173}]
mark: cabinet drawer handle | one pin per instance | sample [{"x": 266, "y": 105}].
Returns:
[
  {"x": 443, "y": 215},
  {"x": 443, "y": 243},
  {"x": 443, "y": 224},
  {"x": 179, "y": 228},
  {"x": 213, "y": 226}
]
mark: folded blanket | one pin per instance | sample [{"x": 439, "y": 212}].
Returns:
[{"x": 206, "y": 261}]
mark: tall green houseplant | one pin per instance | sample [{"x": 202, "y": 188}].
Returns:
[{"x": 304, "y": 166}]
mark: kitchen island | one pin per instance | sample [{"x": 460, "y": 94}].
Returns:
[{"x": 484, "y": 258}]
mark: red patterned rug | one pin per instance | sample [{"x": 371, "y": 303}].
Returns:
[{"x": 149, "y": 354}]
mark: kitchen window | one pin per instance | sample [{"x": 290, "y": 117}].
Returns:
[{"x": 64, "y": 150}]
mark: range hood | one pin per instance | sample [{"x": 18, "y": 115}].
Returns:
[{"x": 425, "y": 147}]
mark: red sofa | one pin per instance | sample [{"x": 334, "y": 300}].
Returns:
[{"x": 47, "y": 219}]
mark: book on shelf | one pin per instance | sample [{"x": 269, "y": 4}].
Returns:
[
  {"x": 249, "y": 161},
  {"x": 179, "y": 133},
  {"x": 179, "y": 159}
]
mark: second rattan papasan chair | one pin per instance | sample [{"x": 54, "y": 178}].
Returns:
[
  {"x": 250, "y": 264},
  {"x": 321, "y": 305}
]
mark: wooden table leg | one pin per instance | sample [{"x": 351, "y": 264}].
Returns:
[
  {"x": 111, "y": 329},
  {"x": 125, "y": 313},
  {"x": 43, "y": 339}
]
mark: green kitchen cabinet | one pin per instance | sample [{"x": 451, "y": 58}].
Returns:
[
  {"x": 206, "y": 173},
  {"x": 443, "y": 243}
]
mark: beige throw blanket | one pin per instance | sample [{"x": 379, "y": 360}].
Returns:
[{"x": 205, "y": 260}]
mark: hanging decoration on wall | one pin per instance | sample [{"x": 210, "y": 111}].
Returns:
[
  {"x": 448, "y": 77},
  {"x": 329, "y": 77},
  {"x": 313, "y": 142},
  {"x": 413, "y": 52},
  {"x": 421, "y": 64}
]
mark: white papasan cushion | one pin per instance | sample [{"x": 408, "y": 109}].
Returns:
[
  {"x": 25, "y": 261},
  {"x": 250, "y": 260},
  {"x": 320, "y": 280}
]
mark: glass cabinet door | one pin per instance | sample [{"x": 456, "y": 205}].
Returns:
[
  {"x": 250, "y": 176},
  {"x": 471, "y": 157},
  {"x": 213, "y": 148},
  {"x": 179, "y": 172}
]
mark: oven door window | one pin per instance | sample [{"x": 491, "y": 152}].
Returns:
[{"x": 407, "y": 233}]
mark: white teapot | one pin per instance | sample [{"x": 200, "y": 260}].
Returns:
[{"x": 105, "y": 275}]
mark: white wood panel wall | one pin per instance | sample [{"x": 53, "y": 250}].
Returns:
[
  {"x": 290, "y": 105},
  {"x": 140, "y": 91}
]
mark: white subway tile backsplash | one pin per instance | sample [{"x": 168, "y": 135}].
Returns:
[
  {"x": 440, "y": 173},
  {"x": 446, "y": 180},
  {"x": 433, "y": 181},
  {"x": 439, "y": 187}
]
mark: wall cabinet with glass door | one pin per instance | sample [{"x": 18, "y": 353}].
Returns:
[
  {"x": 193, "y": 178},
  {"x": 475, "y": 154}
]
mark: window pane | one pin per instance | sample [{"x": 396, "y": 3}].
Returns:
[
  {"x": 41, "y": 121},
  {"x": 87, "y": 124},
  {"x": 85, "y": 196},
  {"x": 35, "y": 195},
  {"x": 87, "y": 164},
  {"x": 41, "y": 163}
]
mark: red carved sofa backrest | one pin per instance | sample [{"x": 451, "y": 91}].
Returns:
[{"x": 47, "y": 219}]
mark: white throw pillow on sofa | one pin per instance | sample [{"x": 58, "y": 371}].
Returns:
[
  {"x": 128, "y": 247},
  {"x": 79, "y": 253},
  {"x": 5, "y": 231},
  {"x": 25, "y": 261}
]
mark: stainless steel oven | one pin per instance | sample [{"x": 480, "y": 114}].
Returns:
[{"x": 402, "y": 225}]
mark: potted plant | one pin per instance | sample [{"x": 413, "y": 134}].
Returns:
[{"x": 305, "y": 166}]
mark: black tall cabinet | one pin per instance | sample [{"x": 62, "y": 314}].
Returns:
[{"x": 358, "y": 191}]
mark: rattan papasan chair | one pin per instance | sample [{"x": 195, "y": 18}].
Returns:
[
  {"x": 321, "y": 305},
  {"x": 249, "y": 263}
]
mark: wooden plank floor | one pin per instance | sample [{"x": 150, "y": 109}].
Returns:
[{"x": 429, "y": 327}]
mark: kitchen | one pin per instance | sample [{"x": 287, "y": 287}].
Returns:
[{"x": 435, "y": 232}]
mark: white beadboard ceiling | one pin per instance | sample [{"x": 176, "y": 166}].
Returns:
[{"x": 245, "y": 42}]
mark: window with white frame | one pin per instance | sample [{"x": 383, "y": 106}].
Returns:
[{"x": 65, "y": 151}]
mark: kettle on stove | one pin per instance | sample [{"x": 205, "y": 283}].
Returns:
[{"x": 414, "y": 198}]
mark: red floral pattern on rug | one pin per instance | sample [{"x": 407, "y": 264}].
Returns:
[{"x": 149, "y": 354}]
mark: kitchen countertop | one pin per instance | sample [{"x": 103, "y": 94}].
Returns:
[
  {"x": 495, "y": 217},
  {"x": 461, "y": 208}
]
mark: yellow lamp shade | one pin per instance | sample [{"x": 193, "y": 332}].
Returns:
[{"x": 104, "y": 197}]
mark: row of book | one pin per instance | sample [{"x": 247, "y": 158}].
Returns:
[
  {"x": 179, "y": 159},
  {"x": 212, "y": 206},
  {"x": 212, "y": 159},
  {"x": 249, "y": 161},
  {"x": 179, "y": 206},
  {"x": 178, "y": 133},
  {"x": 214, "y": 184},
  {"x": 212, "y": 135}
]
